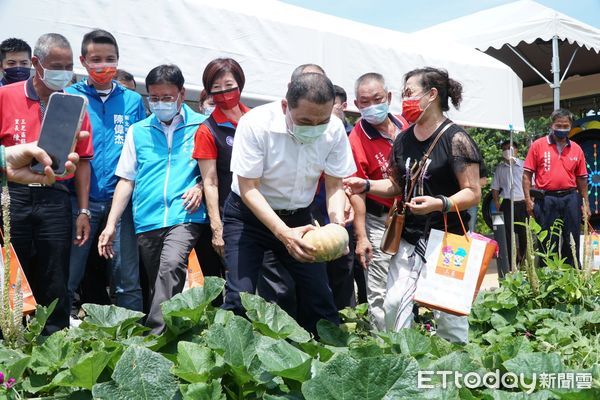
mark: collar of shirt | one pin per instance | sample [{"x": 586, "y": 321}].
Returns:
[
  {"x": 102, "y": 93},
  {"x": 221, "y": 119},
  {"x": 30, "y": 90},
  {"x": 552, "y": 141},
  {"x": 517, "y": 162},
  {"x": 373, "y": 133}
]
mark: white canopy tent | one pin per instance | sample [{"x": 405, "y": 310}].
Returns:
[
  {"x": 269, "y": 39},
  {"x": 530, "y": 37}
]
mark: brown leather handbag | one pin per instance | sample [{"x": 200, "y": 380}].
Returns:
[
  {"x": 394, "y": 225},
  {"x": 390, "y": 242}
]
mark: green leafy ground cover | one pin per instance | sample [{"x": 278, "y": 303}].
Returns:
[{"x": 208, "y": 353}]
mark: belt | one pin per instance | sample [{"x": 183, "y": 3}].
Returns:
[
  {"x": 559, "y": 193},
  {"x": 376, "y": 208},
  {"x": 284, "y": 213},
  {"x": 56, "y": 185}
]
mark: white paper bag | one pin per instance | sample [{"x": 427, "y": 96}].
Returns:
[
  {"x": 594, "y": 248},
  {"x": 455, "y": 266}
]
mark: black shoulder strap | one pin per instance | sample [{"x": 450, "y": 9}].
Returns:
[{"x": 413, "y": 177}]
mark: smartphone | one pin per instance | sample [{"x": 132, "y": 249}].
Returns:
[{"x": 61, "y": 123}]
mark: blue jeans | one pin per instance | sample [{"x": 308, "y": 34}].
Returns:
[
  {"x": 247, "y": 240},
  {"x": 125, "y": 273},
  {"x": 472, "y": 218}
]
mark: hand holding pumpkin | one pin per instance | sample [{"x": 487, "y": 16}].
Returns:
[{"x": 298, "y": 248}]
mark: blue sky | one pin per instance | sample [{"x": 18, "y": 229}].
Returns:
[{"x": 413, "y": 15}]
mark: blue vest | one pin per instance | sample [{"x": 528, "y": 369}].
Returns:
[
  {"x": 110, "y": 121},
  {"x": 164, "y": 174}
]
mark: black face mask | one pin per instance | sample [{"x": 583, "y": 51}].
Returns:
[{"x": 16, "y": 74}]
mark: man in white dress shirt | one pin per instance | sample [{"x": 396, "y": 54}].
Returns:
[{"x": 279, "y": 153}]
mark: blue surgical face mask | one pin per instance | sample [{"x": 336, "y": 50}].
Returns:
[
  {"x": 561, "y": 133},
  {"x": 56, "y": 79},
  {"x": 375, "y": 114},
  {"x": 164, "y": 111},
  {"x": 208, "y": 110},
  {"x": 304, "y": 133}
]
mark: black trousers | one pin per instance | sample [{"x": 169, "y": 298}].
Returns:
[
  {"x": 247, "y": 240},
  {"x": 568, "y": 209},
  {"x": 41, "y": 228},
  {"x": 520, "y": 236},
  {"x": 210, "y": 261}
]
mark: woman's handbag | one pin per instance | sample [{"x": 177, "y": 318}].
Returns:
[
  {"x": 394, "y": 225},
  {"x": 390, "y": 242}
]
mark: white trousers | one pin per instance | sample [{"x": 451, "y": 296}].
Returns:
[
  {"x": 403, "y": 274},
  {"x": 377, "y": 271}
]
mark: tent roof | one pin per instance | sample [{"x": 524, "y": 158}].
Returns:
[
  {"x": 529, "y": 27},
  {"x": 269, "y": 39}
]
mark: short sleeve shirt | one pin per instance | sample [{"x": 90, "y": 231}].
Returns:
[
  {"x": 289, "y": 170},
  {"x": 371, "y": 151},
  {"x": 555, "y": 170},
  {"x": 21, "y": 119},
  {"x": 454, "y": 152},
  {"x": 205, "y": 147}
]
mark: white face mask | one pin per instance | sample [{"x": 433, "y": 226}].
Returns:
[
  {"x": 56, "y": 79},
  {"x": 507, "y": 154}
]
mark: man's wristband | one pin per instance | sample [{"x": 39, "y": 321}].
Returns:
[
  {"x": 367, "y": 186},
  {"x": 85, "y": 211}
]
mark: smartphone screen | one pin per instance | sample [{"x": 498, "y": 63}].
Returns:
[{"x": 62, "y": 121}]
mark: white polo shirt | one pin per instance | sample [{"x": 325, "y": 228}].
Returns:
[{"x": 289, "y": 171}]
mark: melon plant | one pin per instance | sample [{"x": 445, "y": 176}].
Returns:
[{"x": 331, "y": 241}]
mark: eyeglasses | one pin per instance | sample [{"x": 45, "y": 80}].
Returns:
[
  {"x": 163, "y": 99},
  {"x": 408, "y": 93}
]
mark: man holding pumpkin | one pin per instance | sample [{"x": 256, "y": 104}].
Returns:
[{"x": 280, "y": 151}]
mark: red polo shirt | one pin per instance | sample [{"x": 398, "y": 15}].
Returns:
[
  {"x": 21, "y": 118},
  {"x": 371, "y": 152},
  {"x": 554, "y": 170},
  {"x": 205, "y": 147}
]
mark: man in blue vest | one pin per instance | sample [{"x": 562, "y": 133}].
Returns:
[
  {"x": 112, "y": 110},
  {"x": 156, "y": 166}
]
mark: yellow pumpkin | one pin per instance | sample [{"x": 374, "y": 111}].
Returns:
[{"x": 330, "y": 240}]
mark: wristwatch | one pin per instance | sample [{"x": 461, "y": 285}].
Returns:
[{"x": 84, "y": 211}]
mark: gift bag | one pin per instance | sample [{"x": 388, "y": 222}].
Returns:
[
  {"x": 455, "y": 267},
  {"x": 194, "y": 276},
  {"x": 594, "y": 249},
  {"x": 29, "y": 302}
]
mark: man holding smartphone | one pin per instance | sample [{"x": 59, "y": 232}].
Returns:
[
  {"x": 112, "y": 109},
  {"x": 41, "y": 224}
]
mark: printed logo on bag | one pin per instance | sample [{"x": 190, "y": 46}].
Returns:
[
  {"x": 229, "y": 140},
  {"x": 452, "y": 261}
]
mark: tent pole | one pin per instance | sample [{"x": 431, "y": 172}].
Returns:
[
  {"x": 556, "y": 72},
  {"x": 513, "y": 250}
]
